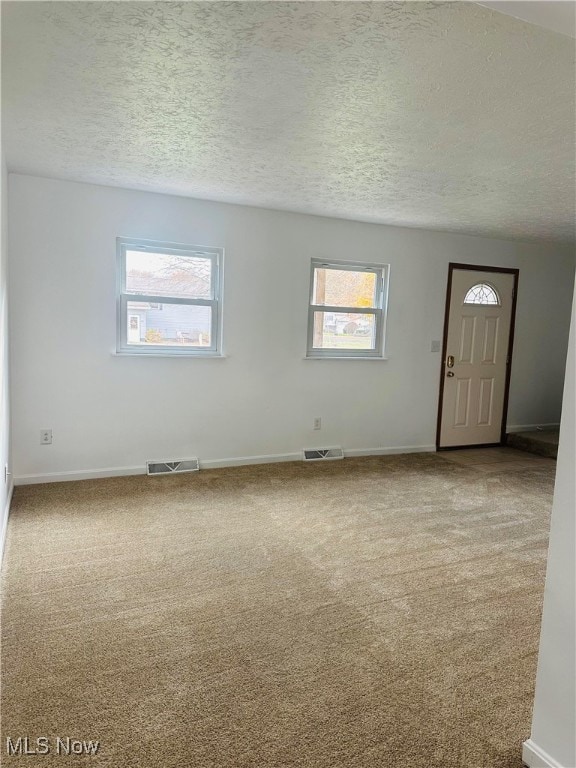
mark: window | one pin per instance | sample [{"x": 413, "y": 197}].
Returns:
[
  {"x": 169, "y": 298},
  {"x": 482, "y": 293},
  {"x": 346, "y": 316}
]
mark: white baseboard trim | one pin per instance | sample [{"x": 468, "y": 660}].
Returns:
[
  {"x": 529, "y": 427},
  {"x": 94, "y": 474},
  {"x": 390, "y": 451},
  {"x": 535, "y": 757},
  {"x": 240, "y": 461},
  {"x": 4, "y": 528},
  {"x": 80, "y": 474}
]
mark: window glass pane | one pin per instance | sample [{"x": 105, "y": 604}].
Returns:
[
  {"x": 163, "y": 274},
  {"x": 174, "y": 325},
  {"x": 344, "y": 288},
  {"x": 482, "y": 293},
  {"x": 342, "y": 330}
]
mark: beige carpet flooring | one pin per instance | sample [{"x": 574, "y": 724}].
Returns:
[{"x": 374, "y": 612}]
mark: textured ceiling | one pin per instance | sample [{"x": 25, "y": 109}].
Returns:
[
  {"x": 558, "y": 15},
  {"x": 447, "y": 116}
]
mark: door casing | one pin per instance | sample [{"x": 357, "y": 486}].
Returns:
[{"x": 476, "y": 268}]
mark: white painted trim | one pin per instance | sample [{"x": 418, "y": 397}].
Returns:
[
  {"x": 240, "y": 461},
  {"x": 80, "y": 474},
  {"x": 535, "y": 757},
  {"x": 529, "y": 427},
  {"x": 204, "y": 356},
  {"x": 5, "y": 522},
  {"x": 342, "y": 357},
  {"x": 390, "y": 451},
  {"x": 93, "y": 474}
]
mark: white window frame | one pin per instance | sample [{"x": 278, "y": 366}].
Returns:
[
  {"x": 382, "y": 272},
  {"x": 216, "y": 256}
]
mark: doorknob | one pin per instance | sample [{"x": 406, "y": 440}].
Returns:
[
  {"x": 450, "y": 361},
  {"x": 450, "y": 374}
]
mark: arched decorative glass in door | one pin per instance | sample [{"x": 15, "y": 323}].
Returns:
[{"x": 482, "y": 293}]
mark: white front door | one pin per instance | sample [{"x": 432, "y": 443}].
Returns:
[
  {"x": 133, "y": 329},
  {"x": 475, "y": 362}
]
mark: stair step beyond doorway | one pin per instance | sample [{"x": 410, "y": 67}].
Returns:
[{"x": 542, "y": 442}]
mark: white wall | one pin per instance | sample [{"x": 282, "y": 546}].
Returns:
[
  {"x": 5, "y": 479},
  {"x": 553, "y": 739},
  {"x": 108, "y": 411}
]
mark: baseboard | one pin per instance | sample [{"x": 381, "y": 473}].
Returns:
[
  {"x": 272, "y": 458},
  {"x": 94, "y": 474},
  {"x": 240, "y": 461},
  {"x": 80, "y": 474},
  {"x": 389, "y": 451},
  {"x": 535, "y": 757},
  {"x": 529, "y": 427},
  {"x": 4, "y": 528}
]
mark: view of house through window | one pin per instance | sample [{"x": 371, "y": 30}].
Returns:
[
  {"x": 346, "y": 310},
  {"x": 169, "y": 298}
]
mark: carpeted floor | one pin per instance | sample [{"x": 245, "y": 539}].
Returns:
[{"x": 369, "y": 613}]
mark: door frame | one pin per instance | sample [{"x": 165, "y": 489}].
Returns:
[{"x": 477, "y": 268}]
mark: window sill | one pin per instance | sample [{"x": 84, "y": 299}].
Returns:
[
  {"x": 183, "y": 355},
  {"x": 345, "y": 357}
]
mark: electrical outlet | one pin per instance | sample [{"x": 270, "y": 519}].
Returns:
[
  {"x": 45, "y": 437},
  {"x": 317, "y": 423}
]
